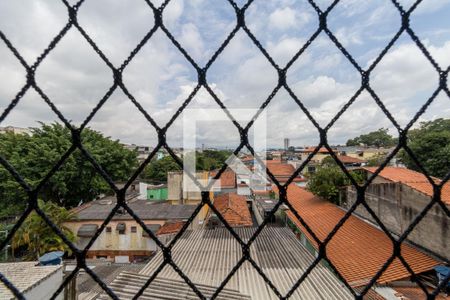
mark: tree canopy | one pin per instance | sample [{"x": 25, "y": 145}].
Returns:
[
  {"x": 378, "y": 138},
  {"x": 328, "y": 179},
  {"x": 431, "y": 145},
  {"x": 38, "y": 238},
  {"x": 206, "y": 160},
  {"x": 76, "y": 180}
]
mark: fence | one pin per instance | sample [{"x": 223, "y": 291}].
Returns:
[{"x": 118, "y": 84}]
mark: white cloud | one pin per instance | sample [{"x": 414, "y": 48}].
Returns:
[{"x": 283, "y": 18}]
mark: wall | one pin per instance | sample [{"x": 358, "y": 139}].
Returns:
[
  {"x": 46, "y": 288},
  {"x": 157, "y": 194},
  {"x": 397, "y": 205},
  {"x": 113, "y": 243}
]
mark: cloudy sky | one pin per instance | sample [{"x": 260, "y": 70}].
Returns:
[{"x": 160, "y": 78}]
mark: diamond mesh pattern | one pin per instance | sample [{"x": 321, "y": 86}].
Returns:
[{"x": 80, "y": 254}]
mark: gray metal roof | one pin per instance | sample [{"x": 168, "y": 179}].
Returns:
[
  {"x": 127, "y": 284},
  {"x": 146, "y": 210},
  {"x": 207, "y": 256}
]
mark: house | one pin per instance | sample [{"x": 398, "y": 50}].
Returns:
[
  {"x": 233, "y": 208},
  {"x": 226, "y": 183},
  {"x": 123, "y": 239},
  {"x": 157, "y": 192},
  {"x": 397, "y": 196},
  {"x": 282, "y": 171},
  {"x": 351, "y": 162},
  {"x": 207, "y": 256},
  {"x": 34, "y": 281},
  {"x": 358, "y": 250}
]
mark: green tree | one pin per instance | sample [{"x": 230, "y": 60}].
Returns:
[
  {"x": 329, "y": 179},
  {"x": 378, "y": 138},
  {"x": 76, "y": 180},
  {"x": 38, "y": 237},
  {"x": 208, "y": 160},
  {"x": 431, "y": 145},
  {"x": 157, "y": 170}
]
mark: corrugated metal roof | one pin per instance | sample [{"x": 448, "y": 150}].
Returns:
[
  {"x": 127, "y": 284},
  {"x": 24, "y": 275},
  {"x": 207, "y": 256}
]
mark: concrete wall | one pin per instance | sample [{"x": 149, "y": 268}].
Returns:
[{"x": 397, "y": 205}]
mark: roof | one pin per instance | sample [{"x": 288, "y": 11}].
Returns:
[
  {"x": 127, "y": 284},
  {"x": 227, "y": 179},
  {"x": 280, "y": 169},
  {"x": 234, "y": 209},
  {"x": 415, "y": 293},
  {"x": 311, "y": 149},
  {"x": 24, "y": 275},
  {"x": 358, "y": 250},
  {"x": 345, "y": 159},
  {"x": 207, "y": 257},
  {"x": 146, "y": 210},
  {"x": 413, "y": 179},
  {"x": 170, "y": 227}
]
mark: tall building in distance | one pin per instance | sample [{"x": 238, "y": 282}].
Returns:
[{"x": 286, "y": 144}]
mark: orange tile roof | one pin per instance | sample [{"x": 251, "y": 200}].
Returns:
[
  {"x": 311, "y": 149},
  {"x": 280, "y": 169},
  {"x": 234, "y": 209},
  {"x": 415, "y": 293},
  {"x": 170, "y": 227},
  {"x": 413, "y": 179},
  {"x": 358, "y": 250},
  {"x": 349, "y": 159},
  {"x": 227, "y": 179}
]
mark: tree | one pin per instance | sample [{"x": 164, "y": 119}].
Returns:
[
  {"x": 157, "y": 170},
  {"x": 430, "y": 143},
  {"x": 378, "y": 138},
  {"x": 76, "y": 180},
  {"x": 211, "y": 159},
  {"x": 38, "y": 237},
  {"x": 329, "y": 179}
]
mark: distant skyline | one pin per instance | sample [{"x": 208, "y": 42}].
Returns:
[{"x": 160, "y": 78}]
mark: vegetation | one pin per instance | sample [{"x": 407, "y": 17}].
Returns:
[
  {"x": 77, "y": 180},
  {"x": 205, "y": 161},
  {"x": 37, "y": 237},
  {"x": 431, "y": 145},
  {"x": 378, "y": 138},
  {"x": 329, "y": 179}
]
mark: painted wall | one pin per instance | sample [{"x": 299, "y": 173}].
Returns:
[
  {"x": 397, "y": 205},
  {"x": 157, "y": 194}
]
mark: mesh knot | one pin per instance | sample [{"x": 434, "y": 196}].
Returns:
[
  {"x": 364, "y": 78},
  {"x": 323, "y": 20},
  {"x": 73, "y": 15},
  {"x": 245, "y": 251},
  {"x": 117, "y": 74},
  {"x": 443, "y": 79},
  {"x": 30, "y": 77},
  {"x": 167, "y": 253},
  {"x": 202, "y": 76},
  {"x": 158, "y": 17},
  {"x": 240, "y": 15},
  {"x": 405, "y": 20},
  {"x": 281, "y": 77},
  {"x": 76, "y": 136}
]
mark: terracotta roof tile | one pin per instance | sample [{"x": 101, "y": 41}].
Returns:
[
  {"x": 358, "y": 250},
  {"x": 415, "y": 293},
  {"x": 227, "y": 179},
  {"x": 350, "y": 160},
  {"x": 413, "y": 179},
  {"x": 234, "y": 209},
  {"x": 170, "y": 227}
]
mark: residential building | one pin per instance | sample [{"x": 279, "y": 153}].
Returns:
[
  {"x": 157, "y": 192},
  {"x": 15, "y": 130},
  {"x": 233, "y": 208},
  {"x": 123, "y": 239},
  {"x": 32, "y": 280},
  {"x": 208, "y": 256},
  {"x": 397, "y": 196},
  {"x": 358, "y": 250},
  {"x": 178, "y": 194}
]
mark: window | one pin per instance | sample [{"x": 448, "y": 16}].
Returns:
[
  {"x": 133, "y": 229},
  {"x": 121, "y": 228},
  {"x": 108, "y": 229}
]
